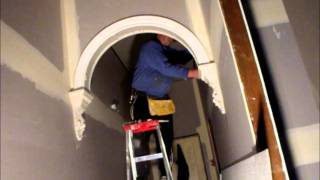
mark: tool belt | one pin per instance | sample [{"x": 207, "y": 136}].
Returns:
[
  {"x": 157, "y": 106},
  {"x": 160, "y": 107}
]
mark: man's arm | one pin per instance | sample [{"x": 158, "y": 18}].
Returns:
[
  {"x": 178, "y": 56},
  {"x": 154, "y": 57},
  {"x": 158, "y": 61}
]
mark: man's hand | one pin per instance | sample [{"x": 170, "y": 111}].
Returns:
[{"x": 193, "y": 73}]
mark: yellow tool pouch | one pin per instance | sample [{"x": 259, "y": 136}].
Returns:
[{"x": 160, "y": 107}]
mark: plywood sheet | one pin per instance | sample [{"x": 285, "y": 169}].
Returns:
[{"x": 256, "y": 167}]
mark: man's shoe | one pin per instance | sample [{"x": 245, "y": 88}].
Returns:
[{"x": 163, "y": 178}]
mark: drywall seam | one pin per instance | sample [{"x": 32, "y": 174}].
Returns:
[
  {"x": 268, "y": 12},
  {"x": 239, "y": 80},
  {"x": 199, "y": 25},
  {"x": 99, "y": 111},
  {"x": 21, "y": 57},
  {"x": 70, "y": 38},
  {"x": 304, "y": 143},
  {"x": 266, "y": 97},
  {"x": 216, "y": 30},
  {"x": 203, "y": 129}
]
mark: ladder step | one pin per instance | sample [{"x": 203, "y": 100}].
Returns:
[{"x": 148, "y": 157}]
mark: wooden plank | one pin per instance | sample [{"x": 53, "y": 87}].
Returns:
[{"x": 255, "y": 93}]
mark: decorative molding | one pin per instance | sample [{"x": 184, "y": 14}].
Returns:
[
  {"x": 80, "y": 100},
  {"x": 128, "y": 27},
  {"x": 146, "y": 24}
]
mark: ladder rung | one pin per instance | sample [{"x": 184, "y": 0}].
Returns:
[{"x": 148, "y": 157}]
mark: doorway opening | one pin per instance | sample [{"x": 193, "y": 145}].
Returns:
[{"x": 109, "y": 38}]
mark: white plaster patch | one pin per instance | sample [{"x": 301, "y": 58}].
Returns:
[
  {"x": 304, "y": 143},
  {"x": 80, "y": 100},
  {"x": 70, "y": 38},
  {"x": 20, "y": 56},
  {"x": 268, "y": 12},
  {"x": 209, "y": 74}
]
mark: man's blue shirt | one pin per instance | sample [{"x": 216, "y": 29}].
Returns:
[{"x": 153, "y": 73}]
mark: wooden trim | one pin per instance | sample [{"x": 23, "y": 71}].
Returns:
[{"x": 253, "y": 89}]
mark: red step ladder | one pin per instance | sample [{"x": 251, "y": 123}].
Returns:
[{"x": 140, "y": 127}]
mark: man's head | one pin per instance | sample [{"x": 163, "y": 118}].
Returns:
[{"x": 164, "y": 40}]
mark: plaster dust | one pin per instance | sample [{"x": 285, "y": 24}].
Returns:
[
  {"x": 21, "y": 57},
  {"x": 304, "y": 142}
]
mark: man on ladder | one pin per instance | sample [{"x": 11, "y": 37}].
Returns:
[{"x": 152, "y": 80}]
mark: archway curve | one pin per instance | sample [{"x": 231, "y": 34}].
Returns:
[
  {"x": 128, "y": 27},
  {"x": 80, "y": 95}
]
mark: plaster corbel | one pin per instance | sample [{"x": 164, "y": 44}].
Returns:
[
  {"x": 80, "y": 100},
  {"x": 209, "y": 74}
]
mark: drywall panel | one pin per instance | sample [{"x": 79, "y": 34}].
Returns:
[
  {"x": 37, "y": 138},
  {"x": 304, "y": 21},
  {"x": 304, "y": 142},
  {"x": 99, "y": 111},
  {"x": 233, "y": 134},
  {"x": 39, "y": 22},
  {"x": 111, "y": 83},
  {"x": 290, "y": 59},
  {"x": 292, "y": 86},
  {"x": 101, "y": 153},
  {"x": 186, "y": 119},
  {"x": 309, "y": 171},
  {"x": 256, "y": 167},
  {"x": 128, "y": 49}
]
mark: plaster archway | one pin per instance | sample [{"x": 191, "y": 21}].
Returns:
[{"x": 80, "y": 94}]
